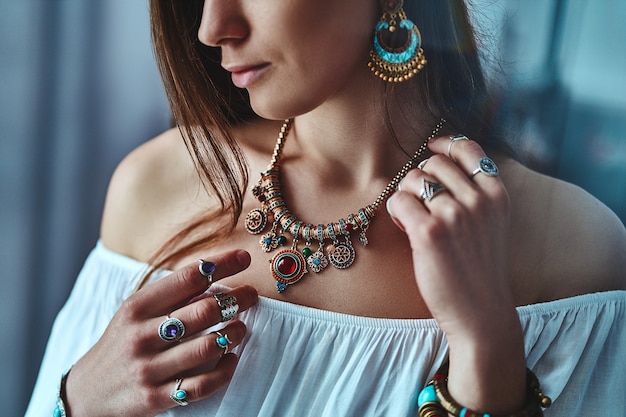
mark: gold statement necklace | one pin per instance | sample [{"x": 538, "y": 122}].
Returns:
[{"x": 288, "y": 266}]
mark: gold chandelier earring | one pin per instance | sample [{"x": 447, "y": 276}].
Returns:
[{"x": 397, "y": 53}]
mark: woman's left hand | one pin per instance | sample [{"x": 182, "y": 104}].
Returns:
[{"x": 459, "y": 239}]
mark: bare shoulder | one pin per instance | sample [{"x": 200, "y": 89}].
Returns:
[
  {"x": 149, "y": 190},
  {"x": 156, "y": 190},
  {"x": 564, "y": 241}
]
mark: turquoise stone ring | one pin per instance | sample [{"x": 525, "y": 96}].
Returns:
[
  {"x": 179, "y": 396},
  {"x": 222, "y": 341}
]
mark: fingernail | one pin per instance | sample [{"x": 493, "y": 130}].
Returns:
[
  {"x": 394, "y": 219},
  {"x": 387, "y": 205},
  {"x": 244, "y": 258}
]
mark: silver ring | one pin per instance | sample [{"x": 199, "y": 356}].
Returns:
[
  {"x": 421, "y": 165},
  {"x": 487, "y": 167},
  {"x": 430, "y": 189},
  {"x": 171, "y": 329},
  {"x": 228, "y": 305},
  {"x": 179, "y": 395},
  {"x": 207, "y": 269},
  {"x": 222, "y": 341},
  {"x": 452, "y": 140}
]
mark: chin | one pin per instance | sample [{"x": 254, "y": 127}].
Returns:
[{"x": 280, "y": 108}]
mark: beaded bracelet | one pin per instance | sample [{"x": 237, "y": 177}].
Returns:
[
  {"x": 59, "y": 410},
  {"x": 435, "y": 400}
]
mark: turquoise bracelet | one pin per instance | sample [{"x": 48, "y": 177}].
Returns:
[{"x": 59, "y": 410}]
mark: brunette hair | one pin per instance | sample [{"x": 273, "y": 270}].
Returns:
[{"x": 205, "y": 103}]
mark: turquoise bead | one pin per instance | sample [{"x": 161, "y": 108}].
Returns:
[
  {"x": 57, "y": 412},
  {"x": 181, "y": 394},
  {"x": 222, "y": 341},
  {"x": 427, "y": 395}
]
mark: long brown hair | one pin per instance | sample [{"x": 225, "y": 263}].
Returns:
[{"x": 205, "y": 103}]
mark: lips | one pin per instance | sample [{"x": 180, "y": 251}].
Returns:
[{"x": 244, "y": 76}]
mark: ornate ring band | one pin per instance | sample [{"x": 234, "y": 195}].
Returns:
[
  {"x": 179, "y": 395},
  {"x": 452, "y": 140},
  {"x": 207, "y": 269},
  {"x": 430, "y": 189},
  {"x": 171, "y": 329},
  {"x": 228, "y": 305},
  {"x": 487, "y": 167},
  {"x": 222, "y": 341}
]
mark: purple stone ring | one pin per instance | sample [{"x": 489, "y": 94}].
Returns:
[
  {"x": 207, "y": 269},
  {"x": 171, "y": 329}
]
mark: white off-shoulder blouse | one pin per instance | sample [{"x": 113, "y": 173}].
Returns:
[{"x": 300, "y": 361}]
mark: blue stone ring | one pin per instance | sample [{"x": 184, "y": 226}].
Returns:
[
  {"x": 179, "y": 395},
  {"x": 487, "y": 167},
  {"x": 222, "y": 341},
  {"x": 207, "y": 269},
  {"x": 171, "y": 329}
]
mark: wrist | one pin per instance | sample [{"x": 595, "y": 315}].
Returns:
[
  {"x": 488, "y": 370},
  {"x": 61, "y": 409}
]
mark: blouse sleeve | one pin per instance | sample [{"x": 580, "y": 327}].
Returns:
[
  {"x": 577, "y": 348},
  {"x": 105, "y": 280}
]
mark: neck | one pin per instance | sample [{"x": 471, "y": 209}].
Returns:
[{"x": 351, "y": 140}]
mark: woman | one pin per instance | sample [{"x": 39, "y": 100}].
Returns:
[{"x": 342, "y": 308}]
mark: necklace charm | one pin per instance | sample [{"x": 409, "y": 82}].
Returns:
[
  {"x": 343, "y": 255},
  {"x": 317, "y": 261},
  {"x": 288, "y": 267},
  {"x": 269, "y": 241},
  {"x": 255, "y": 221}
]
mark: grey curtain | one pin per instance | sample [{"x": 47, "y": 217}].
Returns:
[{"x": 79, "y": 89}]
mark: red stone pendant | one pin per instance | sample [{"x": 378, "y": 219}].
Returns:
[{"x": 288, "y": 267}]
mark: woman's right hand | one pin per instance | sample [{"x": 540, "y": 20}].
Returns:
[{"x": 131, "y": 371}]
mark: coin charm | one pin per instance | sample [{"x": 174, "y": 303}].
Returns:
[
  {"x": 255, "y": 221},
  {"x": 343, "y": 255}
]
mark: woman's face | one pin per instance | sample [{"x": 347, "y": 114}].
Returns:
[{"x": 292, "y": 55}]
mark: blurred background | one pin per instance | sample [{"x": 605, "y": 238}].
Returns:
[{"x": 79, "y": 89}]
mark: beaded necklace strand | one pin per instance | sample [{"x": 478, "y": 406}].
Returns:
[{"x": 288, "y": 266}]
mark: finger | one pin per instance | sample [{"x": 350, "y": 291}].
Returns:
[
  {"x": 465, "y": 153},
  {"x": 448, "y": 145},
  {"x": 198, "y": 387},
  {"x": 184, "y": 358},
  {"x": 205, "y": 312},
  {"x": 175, "y": 290},
  {"x": 405, "y": 210},
  {"x": 468, "y": 155},
  {"x": 422, "y": 185},
  {"x": 456, "y": 182},
  {"x": 472, "y": 186}
]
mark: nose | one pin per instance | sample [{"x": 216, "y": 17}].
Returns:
[{"x": 222, "y": 22}]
